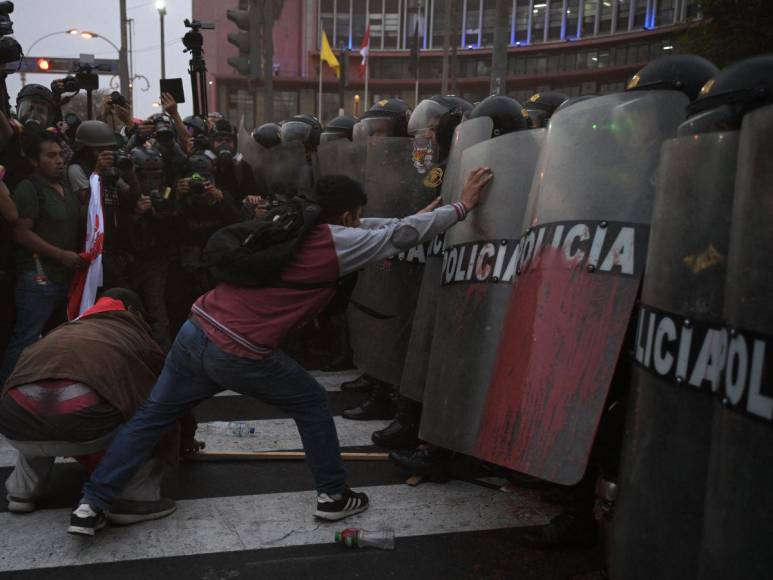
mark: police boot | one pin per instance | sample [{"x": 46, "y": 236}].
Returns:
[
  {"x": 425, "y": 460},
  {"x": 574, "y": 526},
  {"x": 403, "y": 432},
  {"x": 362, "y": 384},
  {"x": 379, "y": 405}
]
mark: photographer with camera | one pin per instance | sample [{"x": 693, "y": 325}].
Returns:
[
  {"x": 232, "y": 174},
  {"x": 203, "y": 209},
  {"x": 96, "y": 151}
]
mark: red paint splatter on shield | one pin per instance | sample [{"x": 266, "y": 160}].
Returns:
[{"x": 562, "y": 337}]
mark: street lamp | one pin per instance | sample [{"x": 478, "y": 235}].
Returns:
[
  {"x": 88, "y": 35},
  {"x": 161, "y": 7}
]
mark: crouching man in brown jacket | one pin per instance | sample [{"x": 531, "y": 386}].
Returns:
[{"x": 69, "y": 394}]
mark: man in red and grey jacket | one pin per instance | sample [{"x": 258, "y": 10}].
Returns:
[{"x": 231, "y": 340}]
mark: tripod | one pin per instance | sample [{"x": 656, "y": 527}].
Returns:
[{"x": 194, "y": 43}]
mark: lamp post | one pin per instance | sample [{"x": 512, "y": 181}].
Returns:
[{"x": 161, "y": 7}]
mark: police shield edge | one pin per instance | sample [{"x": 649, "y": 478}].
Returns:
[
  {"x": 414, "y": 376},
  {"x": 478, "y": 269},
  {"x": 579, "y": 267},
  {"x": 666, "y": 451},
  {"x": 381, "y": 309},
  {"x": 255, "y": 155},
  {"x": 738, "y": 524}
]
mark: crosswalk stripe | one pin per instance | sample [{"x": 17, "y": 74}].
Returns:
[
  {"x": 270, "y": 435},
  {"x": 263, "y": 521}
]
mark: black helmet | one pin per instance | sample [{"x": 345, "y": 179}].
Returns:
[
  {"x": 94, "y": 134},
  {"x": 505, "y": 112},
  {"x": 573, "y": 101},
  {"x": 541, "y": 107},
  {"x": 37, "y": 103},
  {"x": 196, "y": 125},
  {"x": 269, "y": 135},
  {"x": 303, "y": 128},
  {"x": 223, "y": 128},
  {"x": 676, "y": 72},
  {"x": 743, "y": 86},
  {"x": 441, "y": 113},
  {"x": 339, "y": 128},
  {"x": 388, "y": 117}
]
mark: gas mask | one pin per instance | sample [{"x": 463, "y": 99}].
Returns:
[{"x": 423, "y": 154}]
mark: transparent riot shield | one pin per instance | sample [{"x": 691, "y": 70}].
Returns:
[
  {"x": 579, "y": 268},
  {"x": 474, "y": 291}
]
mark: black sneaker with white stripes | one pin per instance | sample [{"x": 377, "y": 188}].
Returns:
[
  {"x": 86, "y": 520},
  {"x": 339, "y": 506}
]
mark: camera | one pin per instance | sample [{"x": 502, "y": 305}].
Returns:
[
  {"x": 123, "y": 162},
  {"x": 197, "y": 185},
  {"x": 6, "y": 26},
  {"x": 163, "y": 130},
  {"x": 10, "y": 49},
  {"x": 68, "y": 84},
  {"x": 117, "y": 98}
]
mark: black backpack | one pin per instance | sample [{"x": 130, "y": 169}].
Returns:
[{"x": 254, "y": 252}]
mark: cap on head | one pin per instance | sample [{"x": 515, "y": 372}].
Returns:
[
  {"x": 676, "y": 72},
  {"x": 505, "y": 112},
  {"x": 196, "y": 125},
  {"x": 129, "y": 298}
]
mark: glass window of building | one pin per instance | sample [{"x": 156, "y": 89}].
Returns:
[
  {"x": 285, "y": 104},
  {"x": 490, "y": 21},
  {"x": 376, "y": 23},
  {"x": 471, "y": 24},
  {"x": 241, "y": 103},
  {"x": 391, "y": 24},
  {"x": 358, "y": 24},
  {"x": 605, "y": 23},
  {"x": 556, "y": 19},
  {"x": 693, "y": 9},
  {"x": 538, "y": 21},
  {"x": 640, "y": 14},
  {"x": 589, "y": 11},
  {"x": 623, "y": 10},
  {"x": 412, "y": 17},
  {"x": 536, "y": 64},
  {"x": 522, "y": 22},
  {"x": 555, "y": 62},
  {"x": 326, "y": 17},
  {"x": 342, "y": 24},
  {"x": 603, "y": 58},
  {"x": 666, "y": 12},
  {"x": 572, "y": 14}
]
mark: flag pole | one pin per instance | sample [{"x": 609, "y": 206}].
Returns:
[
  {"x": 319, "y": 93},
  {"x": 416, "y": 89},
  {"x": 366, "y": 106}
]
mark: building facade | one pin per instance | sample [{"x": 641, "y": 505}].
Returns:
[{"x": 575, "y": 46}]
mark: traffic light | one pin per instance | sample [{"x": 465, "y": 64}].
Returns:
[
  {"x": 43, "y": 64},
  {"x": 247, "y": 40}
]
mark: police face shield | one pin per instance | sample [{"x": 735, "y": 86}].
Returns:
[
  {"x": 373, "y": 127},
  {"x": 296, "y": 131},
  {"x": 37, "y": 111},
  {"x": 538, "y": 119},
  {"x": 426, "y": 118}
]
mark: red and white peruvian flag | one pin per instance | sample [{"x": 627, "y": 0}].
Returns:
[
  {"x": 364, "y": 50},
  {"x": 83, "y": 291}
]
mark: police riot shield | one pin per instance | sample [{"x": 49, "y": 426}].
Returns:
[
  {"x": 579, "y": 267},
  {"x": 738, "y": 520},
  {"x": 381, "y": 308},
  {"x": 474, "y": 291},
  {"x": 256, "y": 156},
  {"x": 343, "y": 157},
  {"x": 288, "y": 172},
  {"x": 414, "y": 377},
  {"x": 662, "y": 482}
]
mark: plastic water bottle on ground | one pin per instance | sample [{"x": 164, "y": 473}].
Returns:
[
  {"x": 229, "y": 428},
  {"x": 358, "y": 538}
]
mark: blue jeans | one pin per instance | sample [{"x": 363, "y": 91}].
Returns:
[
  {"x": 35, "y": 306},
  {"x": 195, "y": 370}
]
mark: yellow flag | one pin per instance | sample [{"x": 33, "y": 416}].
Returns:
[{"x": 327, "y": 55}]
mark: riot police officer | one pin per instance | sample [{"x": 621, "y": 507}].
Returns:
[
  {"x": 387, "y": 118},
  {"x": 507, "y": 116},
  {"x": 431, "y": 126},
  {"x": 541, "y": 107}
]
